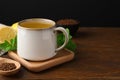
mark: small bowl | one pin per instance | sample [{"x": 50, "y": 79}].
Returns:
[
  {"x": 71, "y": 24},
  {"x": 9, "y": 72}
]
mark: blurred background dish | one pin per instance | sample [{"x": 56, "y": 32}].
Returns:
[{"x": 72, "y": 24}]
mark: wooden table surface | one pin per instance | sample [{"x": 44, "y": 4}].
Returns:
[{"x": 97, "y": 58}]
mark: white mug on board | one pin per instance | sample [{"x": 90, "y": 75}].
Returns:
[{"x": 36, "y": 39}]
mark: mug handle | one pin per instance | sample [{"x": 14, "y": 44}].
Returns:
[{"x": 66, "y": 37}]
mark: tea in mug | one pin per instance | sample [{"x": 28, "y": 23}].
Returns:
[{"x": 37, "y": 24}]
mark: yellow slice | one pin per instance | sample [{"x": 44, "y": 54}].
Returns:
[
  {"x": 6, "y": 33},
  {"x": 15, "y": 25}
]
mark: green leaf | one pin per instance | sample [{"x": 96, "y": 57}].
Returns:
[
  {"x": 2, "y": 46},
  {"x": 8, "y": 46},
  {"x": 61, "y": 38},
  {"x": 71, "y": 45},
  {"x": 68, "y": 31}
]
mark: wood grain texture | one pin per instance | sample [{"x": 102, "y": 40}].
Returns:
[{"x": 97, "y": 58}]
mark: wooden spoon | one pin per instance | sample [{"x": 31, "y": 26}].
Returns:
[{"x": 9, "y": 72}]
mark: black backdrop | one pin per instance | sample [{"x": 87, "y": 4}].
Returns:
[{"x": 89, "y": 12}]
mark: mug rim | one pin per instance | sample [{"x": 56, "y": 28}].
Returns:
[{"x": 30, "y": 19}]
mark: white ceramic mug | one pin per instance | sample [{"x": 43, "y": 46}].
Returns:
[{"x": 36, "y": 43}]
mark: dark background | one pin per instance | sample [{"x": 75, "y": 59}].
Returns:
[{"x": 88, "y": 12}]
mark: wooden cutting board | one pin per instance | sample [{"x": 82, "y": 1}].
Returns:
[{"x": 61, "y": 57}]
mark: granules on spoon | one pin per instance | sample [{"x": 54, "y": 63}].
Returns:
[{"x": 7, "y": 66}]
